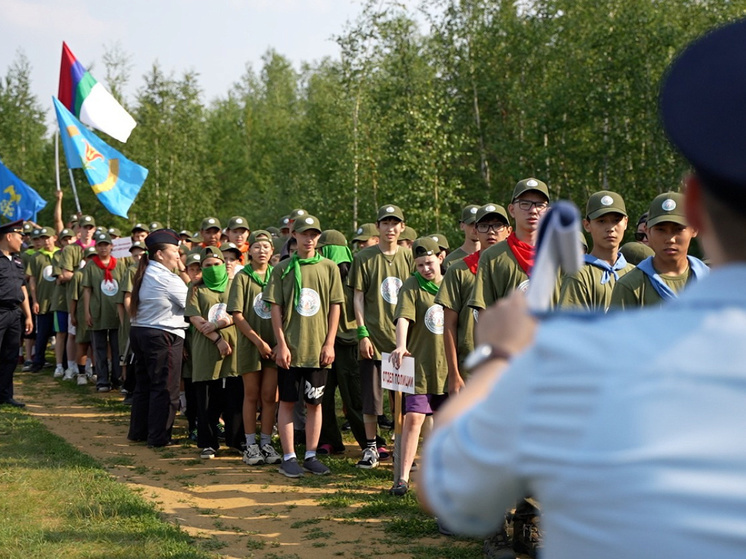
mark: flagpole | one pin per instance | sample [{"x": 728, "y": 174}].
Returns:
[
  {"x": 75, "y": 191},
  {"x": 57, "y": 158}
]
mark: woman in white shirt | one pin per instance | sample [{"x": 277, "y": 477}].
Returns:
[{"x": 157, "y": 338}]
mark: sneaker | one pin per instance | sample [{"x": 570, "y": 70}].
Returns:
[
  {"x": 315, "y": 466},
  {"x": 27, "y": 366},
  {"x": 324, "y": 449},
  {"x": 385, "y": 423},
  {"x": 82, "y": 380},
  {"x": 70, "y": 374},
  {"x": 400, "y": 488},
  {"x": 383, "y": 453},
  {"x": 346, "y": 426},
  {"x": 271, "y": 456},
  {"x": 253, "y": 455},
  {"x": 59, "y": 372},
  {"x": 207, "y": 453},
  {"x": 369, "y": 459},
  {"x": 103, "y": 389},
  {"x": 290, "y": 468}
]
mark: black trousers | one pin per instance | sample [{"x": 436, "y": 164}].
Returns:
[
  {"x": 157, "y": 367},
  {"x": 44, "y": 331},
  {"x": 101, "y": 340},
  {"x": 216, "y": 398},
  {"x": 10, "y": 341}
]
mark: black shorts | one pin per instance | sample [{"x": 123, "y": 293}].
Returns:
[
  {"x": 370, "y": 386},
  {"x": 314, "y": 382}
]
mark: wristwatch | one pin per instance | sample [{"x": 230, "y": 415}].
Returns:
[{"x": 483, "y": 353}]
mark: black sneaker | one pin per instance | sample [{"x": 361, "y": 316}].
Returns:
[
  {"x": 385, "y": 423},
  {"x": 290, "y": 468},
  {"x": 315, "y": 466},
  {"x": 400, "y": 488}
]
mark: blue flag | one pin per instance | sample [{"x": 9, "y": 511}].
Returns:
[
  {"x": 17, "y": 199},
  {"x": 115, "y": 179}
]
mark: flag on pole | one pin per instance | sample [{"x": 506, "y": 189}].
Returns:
[
  {"x": 17, "y": 199},
  {"x": 87, "y": 99},
  {"x": 115, "y": 179}
]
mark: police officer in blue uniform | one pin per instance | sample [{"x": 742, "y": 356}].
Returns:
[{"x": 15, "y": 313}]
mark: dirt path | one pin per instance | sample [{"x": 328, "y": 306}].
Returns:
[{"x": 233, "y": 509}]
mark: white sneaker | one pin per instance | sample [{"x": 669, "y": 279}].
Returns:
[
  {"x": 271, "y": 456},
  {"x": 70, "y": 374},
  {"x": 59, "y": 372},
  {"x": 252, "y": 455},
  {"x": 82, "y": 380},
  {"x": 369, "y": 459}
]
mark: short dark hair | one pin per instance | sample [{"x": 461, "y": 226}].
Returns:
[{"x": 729, "y": 225}]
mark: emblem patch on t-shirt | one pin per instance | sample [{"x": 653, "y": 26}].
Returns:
[
  {"x": 109, "y": 287},
  {"x": 390, "y": 289},
  {"x": 46, "y": 273},
  {"x": 309, "y": 303},
  {"x": 261, "y": 308},
  {"x": 434, "y": 319},
  {"x": 217, "y": 312},
  {"x": 523, "y": 286}
]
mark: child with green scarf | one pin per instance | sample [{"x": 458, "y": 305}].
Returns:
[
  {"x": 213, "y": 356},
  {"x": 419, "y": 333}
]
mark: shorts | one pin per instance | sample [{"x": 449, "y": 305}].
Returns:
[
  {"x": 370, "y": 386},
  {"x": 314, "y": 382},
  {"x": 70, "y": 328},
  {"x": 423, "y": 403},
  {"x": 61, "y": 322}
]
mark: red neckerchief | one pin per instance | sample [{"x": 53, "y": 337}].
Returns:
[
  {"x": 472, "y": 261},
  {"x": 523, "y": 252},
  {"x": 107, "y": 269}
]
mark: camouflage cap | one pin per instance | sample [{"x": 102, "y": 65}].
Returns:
[
  {"x": 605, "y": 202},
  {"x": 667, "y": 207}
]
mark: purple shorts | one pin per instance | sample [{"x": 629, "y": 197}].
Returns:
[{"x": 423, "y": 403}]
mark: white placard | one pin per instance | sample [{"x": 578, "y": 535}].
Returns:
[
  {"x": 401, "y": 379},
  {"x": 120, "y": 247}
]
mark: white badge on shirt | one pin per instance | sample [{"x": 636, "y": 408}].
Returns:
[
  {"x": 261, "y": 309},
  {"x": 217, "y": 312},
  {"x": 46, "y": 273},
  {"x": 309, "y": 302},
  {"x": 109, "y": 287},
  {"x": 434, "y": 319},
  {"x": 390, "y": 289}
]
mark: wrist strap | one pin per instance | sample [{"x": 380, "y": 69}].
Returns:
[{"x": 362, "y": 332}]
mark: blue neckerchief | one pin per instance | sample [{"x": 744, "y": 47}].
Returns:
[
  {"x": 698, "y": 268},
  {"x": 620, "y": 264}
]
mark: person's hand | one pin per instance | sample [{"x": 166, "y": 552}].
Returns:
[
  {"x": 455, "y": 383},
  {"x": 58, "y": 194},
  {"x": 264, "y": 350},
  {"x": 282, "y": 356},
  {"x": 35, "y": 308},
  {"x": 507, "y": 324},
  {"x": 89, "y": 320},
  {"x": 327, "y": 355},
  {"x": 206, "y": 327},
  {"x": 224, "y": 347},
  {"x": 398, "y": 355},
  {"x": 28, "y": 325},
  {"x": 73, "y": 320},
  {"x": 366, "y": 349}
]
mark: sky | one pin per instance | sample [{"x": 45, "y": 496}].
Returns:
[{"x": 215, "y": 38}]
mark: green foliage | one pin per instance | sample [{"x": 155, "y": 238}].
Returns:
[{"x": 430, "y": 117}]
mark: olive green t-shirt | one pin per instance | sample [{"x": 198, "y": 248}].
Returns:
[
  {"x": 305, "y": 326},
  {"x": 59, "y": 297},
  {"x": 39, "y": 266},
  {"x": 498, "y": 275},
  {"x": 206, "y": 361},
  {"x": 103, "y": 302},
  {"x": 424, "y": 337},
  {"x": 380, "y": 276},
  {"x": 636, "y": 290},
  {"x": 246, "y": 297},
  {"x": 454, "y": 294},
  {"x": 75, "y": 293},
  {"x": 455, "y": 256},
  {"x": 583, "y": 290},
  {"x": 71, "y": 258}
]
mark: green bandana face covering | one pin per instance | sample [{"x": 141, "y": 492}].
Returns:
[
  {"x": 215, "y": 277},
  {"x": 426, "y": 285},
  {"x": 294, "y": 266},
  {"x": 337, "y": 254}
]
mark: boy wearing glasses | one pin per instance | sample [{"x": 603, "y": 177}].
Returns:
[
  {"x": 506, "y": 266},
  {"x": 590, "y": 287},
  {"x": 492, "y": 226}
]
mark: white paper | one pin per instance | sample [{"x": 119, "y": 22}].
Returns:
[{"x": 120, "y": 247}]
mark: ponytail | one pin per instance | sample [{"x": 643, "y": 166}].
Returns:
[{"x": 140, "y": 273}]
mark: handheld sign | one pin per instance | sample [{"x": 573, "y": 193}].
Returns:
[
  {"x": 399, "y": 380},
  {"x": 121, "y": 247}
]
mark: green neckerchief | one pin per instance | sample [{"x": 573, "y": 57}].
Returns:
[
  {"x": 294, "y": 266},
  {"x": 215, "y": 277},
  {"x": 337, "y": 254},
  {"x": 426, "y": 285},
  {"x": 48, "y": 253},
  {"x": 253, "y": 275}
]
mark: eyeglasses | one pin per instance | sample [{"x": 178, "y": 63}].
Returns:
[
  {"x": 486, "y": 227},
  {"x": 526, "y": 205},
  {"x": 640, "y": 236}
]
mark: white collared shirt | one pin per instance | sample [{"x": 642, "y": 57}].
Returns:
[{"x": 162, "y": 300}]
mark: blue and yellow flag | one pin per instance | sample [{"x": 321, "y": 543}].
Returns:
[
  {"x": 115, "y": 179},
  {"x": 17, "y": 199}
]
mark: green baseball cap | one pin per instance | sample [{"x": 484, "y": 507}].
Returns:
[
  {"x": 65, "y": 233},
  {"x": 90, "y": 251},
  {"x": 469, "y": 214},
  {"x": 238, "y": 222},
  {"x": 36, "y": 232},
  {"x": 492, "y": 209},
  {"x": 332, "y": 237},
  {"x": 425, "y": 246},
  {"x": 155, "y": 225},
  {"x": 365, "y": 232},
  {"x": 114, "y": 232},
  {"x": 210, "y": 223},
  {"x": 211, "y": 251},
  {"x": 138, "y": 244},
  {"x": 528, "y": 185},
  {"x": 635, "y": 252},
  {"x": 441, "y": 240},
  {"x": 102, "y": 238},
  {"x": 86, "y": 220},
  {"x": 389, "y": 210},
  {"x": 605, "y": 202},
  {"x": 260, "y": 235},
  {"x": 284, "y": 222},
  {"x": 140, "y": 227},
  {"x": 46, "y": 232},
  {"x": 305, "y": 223},
  {"x": 225, "y": 247},
  {"x": 274, "y": 231},
  {"x": 409, "y": 234},
  {"x": 297, "y": 214},
  {"x": 27, "y": 228},
  {"x": 668, "y": 206},
  {"x": 194, "y": 257}
]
